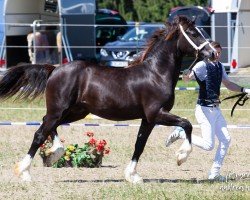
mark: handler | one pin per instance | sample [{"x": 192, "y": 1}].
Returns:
[{"x": 209, "y": 75}]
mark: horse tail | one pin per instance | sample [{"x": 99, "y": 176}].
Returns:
[{"x": 28, "y": 81}]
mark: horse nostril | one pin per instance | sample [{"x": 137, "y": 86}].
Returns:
[{"x": 213, "y": 55}]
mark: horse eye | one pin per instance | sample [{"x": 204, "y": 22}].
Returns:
[{"x": 194, "y": 34}]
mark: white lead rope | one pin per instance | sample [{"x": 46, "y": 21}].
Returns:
[{"x": 198, "y": 48}]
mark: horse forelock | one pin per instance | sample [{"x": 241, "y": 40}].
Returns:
[{"x": 173, "y": 28}]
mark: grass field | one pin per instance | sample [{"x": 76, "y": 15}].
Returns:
[{"x": 163, "y": 179}]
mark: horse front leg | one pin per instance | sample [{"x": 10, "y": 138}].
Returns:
[
  {"x": 131, "y": 174},
  {"x": 165, "y": 118}
]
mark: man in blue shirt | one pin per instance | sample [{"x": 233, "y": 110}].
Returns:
[{"x": 209, "y": 75}]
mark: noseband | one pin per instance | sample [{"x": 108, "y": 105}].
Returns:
[{"x": 197, "y": 48}]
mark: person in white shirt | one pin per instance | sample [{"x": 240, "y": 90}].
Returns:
[{"x": 209, "y": 75}]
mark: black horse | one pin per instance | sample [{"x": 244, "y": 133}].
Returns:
[{"x": 144, "y": 90}]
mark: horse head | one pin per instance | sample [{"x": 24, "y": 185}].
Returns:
[{"x": 190, "y": 40}]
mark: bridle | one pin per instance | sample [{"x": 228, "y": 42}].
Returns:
[
  {"x": 197, "y": 48},
  {"x": 243, "y": 97}
]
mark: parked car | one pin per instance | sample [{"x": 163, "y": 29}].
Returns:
[
  {"x": 201, "y": 16},
  {"x": 2, "y": 61},
  {"x": 119, "y": 53},
  {"x": 114, "y": 25}
]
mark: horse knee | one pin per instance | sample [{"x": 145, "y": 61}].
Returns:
[{"x": 187, "y": 126}]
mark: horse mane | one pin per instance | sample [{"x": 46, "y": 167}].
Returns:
[
  {"x": 168, "y": 33},
  {"x": 157, "y": 35}
]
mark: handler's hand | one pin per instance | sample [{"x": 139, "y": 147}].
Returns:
[
  {"x": 247, "y": 90},
  {"x": 185, "y": 75}
]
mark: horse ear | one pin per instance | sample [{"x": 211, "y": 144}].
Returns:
[{"x": 193, "y": 19}]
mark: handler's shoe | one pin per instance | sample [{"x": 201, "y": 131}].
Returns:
[
  {"x": 217, "y": 178},
  {"x": 178, "y": 133}
]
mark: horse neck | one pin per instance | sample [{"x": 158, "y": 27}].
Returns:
[{"x": 165, "y": 59}]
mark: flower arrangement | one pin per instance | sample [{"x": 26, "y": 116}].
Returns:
[{"x": 88, "y": 155}]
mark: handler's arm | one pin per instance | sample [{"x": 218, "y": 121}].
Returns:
[
  {"x": 231, "y": 85},
  {"x": 234, "y": 87}
]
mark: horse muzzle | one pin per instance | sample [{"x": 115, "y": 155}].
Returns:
[{"x": 207, "y": 54}]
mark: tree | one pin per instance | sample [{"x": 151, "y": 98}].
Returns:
[{"x": 147, "y": 10}]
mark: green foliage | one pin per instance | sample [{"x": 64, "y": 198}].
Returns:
[
  {"x": 75, "y": 156},
  {"x": 88, "y": 155},
  {"x": 147, "y": 10}
]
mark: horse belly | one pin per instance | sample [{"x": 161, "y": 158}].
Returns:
[{"x": 118, "y": 114}]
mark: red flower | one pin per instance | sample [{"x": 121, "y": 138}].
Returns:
[
  {"x": 100, "y": 148},
  {"x": 42, "y": 146},
  {"x": 102, "y": 142},
  {"x": 92, "y": 141},
  {"x": 107, "y": 151},
  {"x": 89, "y": 134}
]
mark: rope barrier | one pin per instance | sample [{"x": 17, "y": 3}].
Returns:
[
  {"x": 104, "y": 125},
  {"x": 84, "y": 47},
  {"x": 107, "y": 25},
  {"x": 174, "y": 109}
]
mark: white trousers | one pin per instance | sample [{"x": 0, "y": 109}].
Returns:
[{"x": 212, "y": 123}]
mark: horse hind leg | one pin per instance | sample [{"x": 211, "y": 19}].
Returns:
[
  {"x": 49, "y": 125},
  {"x": 56, "y": 151},
  {"x": 22, "y": 168}
]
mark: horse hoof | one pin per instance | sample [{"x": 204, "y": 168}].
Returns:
[
  {"x": 133, "y": 178},
  {"x": 183, "y": 153},
  {"x": 54, "y": 156},
  {"x": 25, "y": 176},
  {"x": 181, "y": 158},
  {"x": 19, "y": 168}
]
